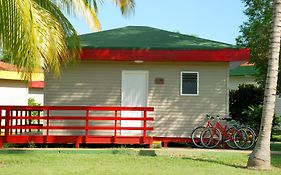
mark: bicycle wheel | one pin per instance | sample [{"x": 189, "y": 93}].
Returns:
[
  {"x": 244, "y": 138},
  {"x": 195, "y": 136},
  {"x": 253, "y": 131},
  {"x": 230, "y": 139},
  {"x": 210, "y": 137}
]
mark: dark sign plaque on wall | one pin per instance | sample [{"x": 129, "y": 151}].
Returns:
[{"x": 159, "y": 81}]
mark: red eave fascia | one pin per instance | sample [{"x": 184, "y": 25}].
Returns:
[
  {"x": 37, "y": 84},
  {"x": 247, "y": 64},
  {"x": 223, "y": 55}
]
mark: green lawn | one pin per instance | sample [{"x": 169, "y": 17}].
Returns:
[
  {"x": 275, "y": 146},
  {"x": 84, "y": 162},
  {"x": 276, "y": 136}
]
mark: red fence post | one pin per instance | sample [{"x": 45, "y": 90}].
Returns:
[
  {"x": 144, "y": 124},
  {"x": 87, "y": 126},
  {"x": 0, "y": 121},
  {"x": 38, "y": 120},
  {"x": 29, "y": 120},
  {"x": 7, "y": 124},
  {"x": 25, "y": 120},
  {"x": 17, "y": 114},
  {"x": 115, "y": 125},
  {"x": 1, "y": 139},
  {"x": 48, "y": 123},
  {"x": 11, "y": 121},
  {"x": 20, "y": 123}
]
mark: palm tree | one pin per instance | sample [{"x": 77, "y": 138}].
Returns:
[
  {"x": 37, "y": 34},
  {"x": 260, "y": 157}
]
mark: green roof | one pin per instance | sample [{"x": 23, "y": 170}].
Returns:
[
  {"x": 141, "y": 37},
  {"x": 243, "y": 70}
]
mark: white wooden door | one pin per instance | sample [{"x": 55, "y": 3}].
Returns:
[{"x": 134, "y": 93}]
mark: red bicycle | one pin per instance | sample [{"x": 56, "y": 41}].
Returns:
[
  {"x": 215, "y": 132},
  {"x": 196, "y": 133},
  {"x": 235, "y": 136},
  {"x": 211, "y": 137}
]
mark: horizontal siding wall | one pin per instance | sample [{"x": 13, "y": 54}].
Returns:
[
  {"x": 99, "y": 83},
  {"x": 175, "y": 115}
]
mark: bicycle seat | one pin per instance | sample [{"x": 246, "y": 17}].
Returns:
[{"x": 226, "y": 119}]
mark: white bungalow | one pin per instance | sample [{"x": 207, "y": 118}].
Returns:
[{"x": 183, "y": 77}]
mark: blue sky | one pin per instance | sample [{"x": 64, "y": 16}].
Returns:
[{"x": 212, "y": 19}]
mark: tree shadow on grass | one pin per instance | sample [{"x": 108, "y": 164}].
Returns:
[
  {"x": 147, "y": 153},
  {"x": 276, "y": 160},
  {"x": 215, "y": 162},
  {"x": 14, "y": 151}
]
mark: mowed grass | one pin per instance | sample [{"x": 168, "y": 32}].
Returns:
[
  {"x": 128, "y": 162},
  {"x": 275, "y": 146}
]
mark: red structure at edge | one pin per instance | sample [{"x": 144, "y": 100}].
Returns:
[
  {"x": 222, "y": 55},
  {"x": 26, "y": 124}
]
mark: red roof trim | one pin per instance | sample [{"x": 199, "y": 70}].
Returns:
[
  {"x": 37, "y": 84},
  {"x": 247, "y": 64},
  {"x": 223, "y": 55}
]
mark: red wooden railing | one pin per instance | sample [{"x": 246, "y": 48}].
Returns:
[{"x": 40, "y": 124}]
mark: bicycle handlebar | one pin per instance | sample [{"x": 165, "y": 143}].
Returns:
[{"x": 218, "y": 117}]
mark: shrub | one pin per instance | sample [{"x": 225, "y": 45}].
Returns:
[
  {"x": 245, "y": 105},
  {"x": 254, "y": 113},
  {"x": 32, "y": 102},
  {"x": 239, "y": 101}
]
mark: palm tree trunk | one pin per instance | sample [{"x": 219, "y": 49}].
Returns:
[{"x": 260, "y": 157}]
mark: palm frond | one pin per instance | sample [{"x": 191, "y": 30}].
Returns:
[
  {"x": 37, "y": 35},
  {"x": 72, "y": 50},
  {"x": 33, "y": 36},
  {"x": 18, "y": 33},
  {"x": 85, "y": 8},
  {"x": 126, "y": 6}
]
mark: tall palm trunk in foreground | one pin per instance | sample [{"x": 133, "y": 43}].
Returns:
[{"x": 260, "y": 157}]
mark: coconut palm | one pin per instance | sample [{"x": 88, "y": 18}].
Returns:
[
  {"x": 37, "y": 34},
  {"x": 260, "y": 157}
]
